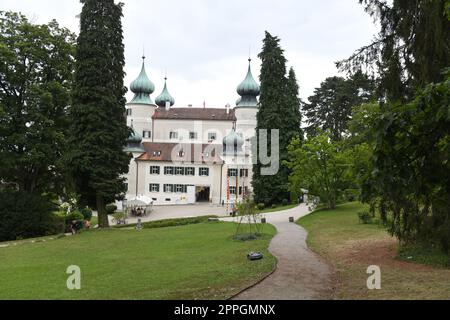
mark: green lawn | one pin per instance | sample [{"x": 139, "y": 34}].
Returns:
[
  {"x": 190, "y": 262},
  {"x": 351, "y": 247}
]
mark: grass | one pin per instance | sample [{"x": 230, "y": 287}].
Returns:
[
  {"x": 351, "y": 247},
  {"x": 199, "y": 261}
]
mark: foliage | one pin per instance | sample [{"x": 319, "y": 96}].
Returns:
[
  {"x": 412, "y": 167},
  {"x": 24, "y": 215},
  {"x": 330, "y": 108},
  {"x": 279, "y": 109},
  {"x": 35, "y": 78},
  {"x": 260, "y": 206},
  {"x": 110, "y": 209},
  {"x": 169, "y": 222},
  {"x": 248, "y": 218},
  {"x": 87, "y": 213},
  {"x": 321, "y": 166},
  {"x": 410, "y": 50},
  {"x": 99, "y": 131},
  {"x": 71, "y": 217},
  {"x": 284, "y": 202},
  {"x": 365, "y": 217}
]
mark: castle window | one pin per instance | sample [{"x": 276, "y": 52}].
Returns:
[
  {"x": 203, "y": 172},
  {"x": 154, "y": 170},
  {"x": 232, "y": 172},
  {"x": 146, "y": 134},
  {"x": 232, "y": 190},
  {"x": 212, "y": 136},
  {"x": 193, "y": 135},
  {"x": 243, "y": 173},
  {"x": 173, "y": 135},
  {"x": 154, "y": 187},
  {"x": 189, "y": 171},
  {"x": 168, "y": 171},
  {"x": 179, "y": 171},
  {"x": 168, "y": 188},
  {"x": 129, "y": 112}
]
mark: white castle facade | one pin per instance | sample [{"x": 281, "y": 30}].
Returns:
[{"x": 190, "y": 155}]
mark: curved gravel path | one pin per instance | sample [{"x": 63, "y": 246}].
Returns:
[{"x": 301, "y": 274}]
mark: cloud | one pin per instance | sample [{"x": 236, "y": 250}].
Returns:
[{"x": 204, "y": 44}]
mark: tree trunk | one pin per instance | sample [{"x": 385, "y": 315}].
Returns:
[
  {"x": 332, "y": 203},
  {"x": 103, "y": 221}
]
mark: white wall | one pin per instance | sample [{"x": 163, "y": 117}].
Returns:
[
  {"x": 163, "y": 127},
  {"x": 142, "y": 117}
]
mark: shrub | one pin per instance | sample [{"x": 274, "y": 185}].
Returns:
[
  {"x": 274, "y": 206},
  {"x": 111, "y": 208},
  {"x": 24, "y": 215},
  {"x": 87, "y": 213},
  {"x": 260, "y": 206},
  {"x": 285, "y": 202},
  {"x": 365, "y": 217},
  {"x": 74, "y": 216},
  {"x": 169, "y": 222}
]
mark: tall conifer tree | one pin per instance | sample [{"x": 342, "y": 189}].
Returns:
[
  {"x": 99, "y": 129},
  {"x": 279, "y": 109}
]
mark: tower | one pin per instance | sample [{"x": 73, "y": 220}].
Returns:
[
  {"x": 165, "y": 99},
  {"x": 141, "y": 108},
  {"x": 247, "y": 105}
]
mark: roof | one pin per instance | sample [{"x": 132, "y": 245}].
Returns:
[
  {"x": 178, "y": 152},
  {"x": 219, "y": 114}
]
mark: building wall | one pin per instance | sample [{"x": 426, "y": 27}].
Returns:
[
  {"x": 146, "y": 178},
  {"x": 142, "y": 118},
  {"x": 163, "y": 127}
]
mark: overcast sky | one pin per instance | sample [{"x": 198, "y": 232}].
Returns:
[{"x": 204, "y": 44}]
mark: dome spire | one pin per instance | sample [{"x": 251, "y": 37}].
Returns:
[
  {"x": 248, "y": 90},
  {"x": 165, "y": 96},
  {"x": 142, "y": 87}
]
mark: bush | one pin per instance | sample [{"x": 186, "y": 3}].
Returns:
[
  {"x": 260, "y": 206},
  {"x": 169, "y": 222},
  {"x": 24, "y": 215},
  {"x": 74, "y": 216},
  {"x": 87, "y": 213},
  {"x": 274, "y": 206},
  {"x": 285, "y": 202},
  {"x": 111, "y": 209},
  {"x": 365, "y": 217}
]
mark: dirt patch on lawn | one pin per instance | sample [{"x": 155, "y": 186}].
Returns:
[{"x": 376, "y": 251}]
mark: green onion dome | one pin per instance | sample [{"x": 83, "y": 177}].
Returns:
[
  {"x": 248, "y": 87},
  {"x": 165, "y": 97},
  {"x": 142, "y": 87},
  {"x": 233, "y": 142},
  {"x": 248, "y": 90}
]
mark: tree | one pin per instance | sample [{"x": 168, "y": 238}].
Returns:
[
  {"x": 409, "y": 178},
  {"x": 35, "y": 78},
  {"x": 331, "y": 105},
  {"x": 411, "y": 175},
  {"x": 321, "y": 166},
  {"x": 99, "y": 129},
  {"x": 279, "y": 109},
  {"x": 411, "y": 49}
]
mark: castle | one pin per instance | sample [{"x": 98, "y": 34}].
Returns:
[{"x": 190, "y": 155}]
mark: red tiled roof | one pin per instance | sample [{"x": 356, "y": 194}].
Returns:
[
  {"x": 195, "y": 114},
  {"x": 191, "y": 153}
]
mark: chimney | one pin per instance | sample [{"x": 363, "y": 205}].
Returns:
[
  {"x": 167, "y": 105},
  {"x": 228, "y": 108}
]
